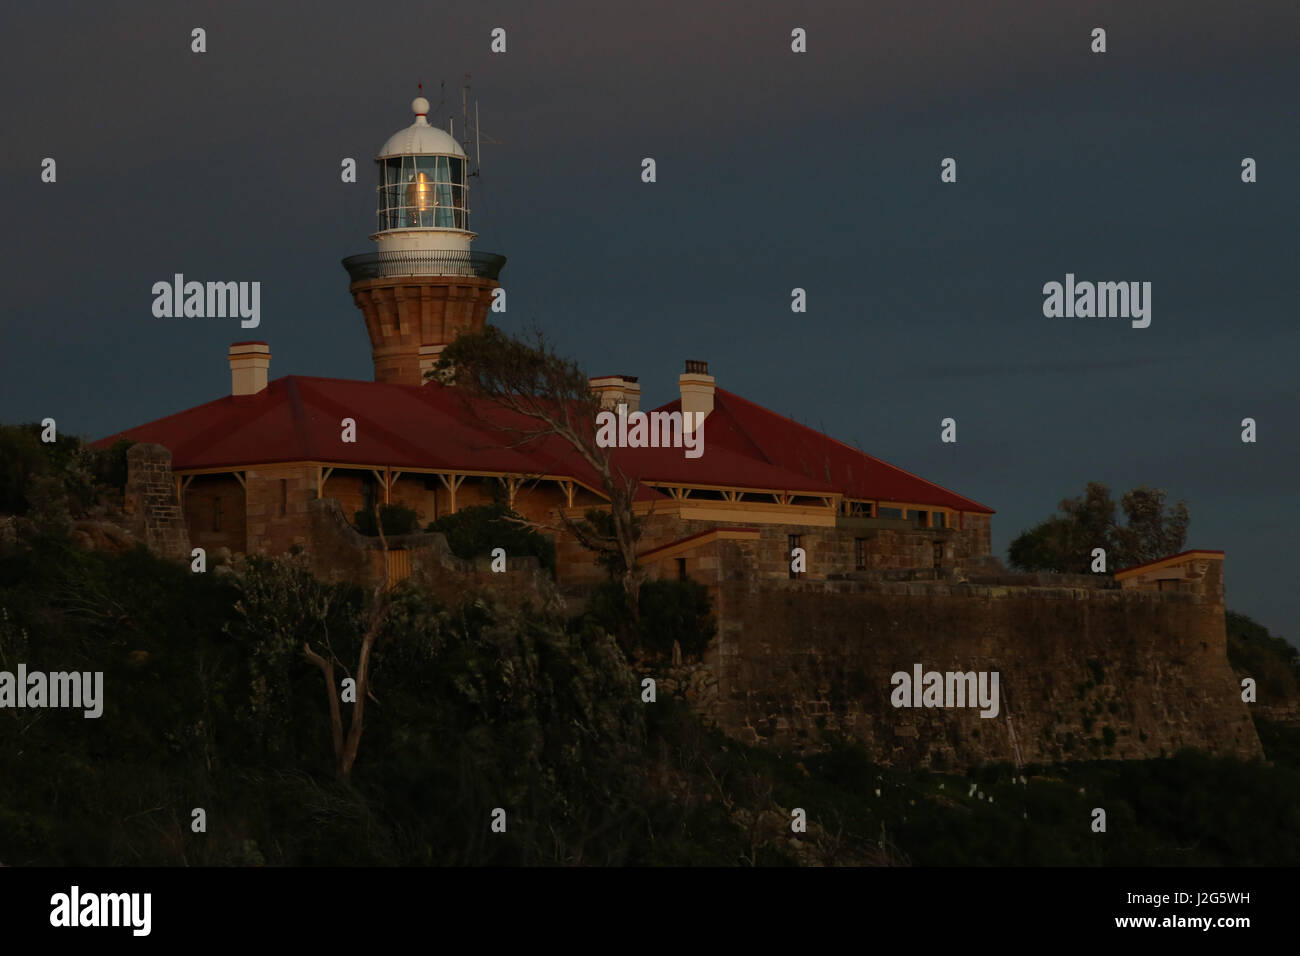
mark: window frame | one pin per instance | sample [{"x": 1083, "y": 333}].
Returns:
[{"x": 449, "y": 181}]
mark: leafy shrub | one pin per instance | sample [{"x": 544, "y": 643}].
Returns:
[
  {"x": 670, "y": 611},
  {"x": 473, "y": 532},
  {"x": 110, "y": 464},
  {"x": 21, "y": 457},
  {"x": 62, "y": 477},
  {"x": 1256, "y": 653},
  {"x": 397, "y": 519}
]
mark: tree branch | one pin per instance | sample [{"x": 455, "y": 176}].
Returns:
[
  {"x": 378, "y": 610},
  {"x": 336, "y": 720}
]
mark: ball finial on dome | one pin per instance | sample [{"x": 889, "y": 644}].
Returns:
[{"x": 420, "y": 106}]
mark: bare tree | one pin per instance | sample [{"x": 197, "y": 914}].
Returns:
[
  {"x": 544, "y": 395},
  {"x": 345, "y": 748}
]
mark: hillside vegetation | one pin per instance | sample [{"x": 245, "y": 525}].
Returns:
[{"x": 210, "y": 704}]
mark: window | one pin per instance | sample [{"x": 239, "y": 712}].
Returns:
[
  {"x": 889, "y": 512},
  {"x": 681, "y": 569},
  {"x": 920, "y": 519},
  {"x": 793, "y": 541},
  {"x": 940, "y": 519},
  {"x": 216, "y": 514},
  {"x": 423, "y": 192},
  {"x": 860, "y": 553}
]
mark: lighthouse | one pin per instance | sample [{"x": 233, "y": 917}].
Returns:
[{"x": 423, "y": 285}]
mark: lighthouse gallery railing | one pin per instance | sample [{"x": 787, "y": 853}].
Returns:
[{"x": 382, "y": 265}]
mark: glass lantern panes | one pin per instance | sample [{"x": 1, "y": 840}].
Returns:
[{"x": 422, "y": 192}]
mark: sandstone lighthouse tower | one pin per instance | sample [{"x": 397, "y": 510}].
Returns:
[{"x": 423, "y": 286}]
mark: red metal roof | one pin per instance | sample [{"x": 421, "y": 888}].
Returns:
[
  {"x": 298, "y": 418},
  {"x": 813, "y": 461}
]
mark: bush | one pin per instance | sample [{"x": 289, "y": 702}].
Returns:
[
  {"x": 473, "y": 532},
  {"x": 676, "y": 611},
  {"x": 670, "y": 611},
  {"x": 1254, "y": 652},
  {"x": 21, "y": 457},
  {"x": 63, "y": 477},
  {"x": 397, "y": 519},
  {"x": 110, "y": 464}
]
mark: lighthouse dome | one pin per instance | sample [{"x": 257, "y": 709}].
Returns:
[
  {"x": 420, "y": 139},
  {"x": 423, "y": 189}
]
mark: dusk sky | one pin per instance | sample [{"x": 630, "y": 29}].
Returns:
[{"x": 776, "y": 170}]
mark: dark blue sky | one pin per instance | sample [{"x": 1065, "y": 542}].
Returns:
[{"x": 775, "y": 170}]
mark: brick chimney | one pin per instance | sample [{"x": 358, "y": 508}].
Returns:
[
  {"x": 615, "y": 390},
  {"x": 249, "y": 364},
  {"x": 696, "y": 386}
]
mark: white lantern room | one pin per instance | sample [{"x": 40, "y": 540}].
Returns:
[{"x": 423, "y": 189}]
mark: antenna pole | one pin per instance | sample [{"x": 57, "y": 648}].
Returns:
[
  {"x": 464, "y": 104},
  {"x": 478, "y": 140}
]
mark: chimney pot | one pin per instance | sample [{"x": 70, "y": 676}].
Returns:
[
  {"x": 615, "y": 390},
  {"x": 250, "y": 363},
  {"x": 696, "y": 386}
]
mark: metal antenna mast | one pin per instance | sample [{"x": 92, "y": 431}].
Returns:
[
  {"x": 464, "y": 113},
  {"x": 442, "y": 96},
  {"x": 475, "y": 129}
]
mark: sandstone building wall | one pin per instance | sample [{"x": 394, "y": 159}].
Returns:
[{"x": 214, "y": 513}]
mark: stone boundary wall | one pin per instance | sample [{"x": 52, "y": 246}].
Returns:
[
  {"x": 1084, "y": 672},
  {"x": 151, "y": 501}
]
